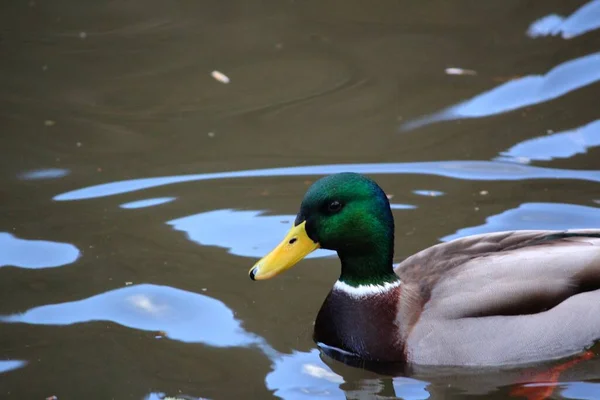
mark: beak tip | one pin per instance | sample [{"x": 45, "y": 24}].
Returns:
[{"x": 253, "y": 274}]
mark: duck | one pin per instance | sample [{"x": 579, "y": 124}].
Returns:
[{"x": 492, "y": 299}]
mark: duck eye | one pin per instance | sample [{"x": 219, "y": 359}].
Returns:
[{"x": 334, "y": 206}]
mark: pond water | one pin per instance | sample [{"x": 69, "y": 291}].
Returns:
[{"x": 152, "y": 151}]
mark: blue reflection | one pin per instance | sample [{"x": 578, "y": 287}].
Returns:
[
  {"x": 164, "y": 396},
  {"x": 581, "y": 390},
  {"x": 430, "y": 193},
  {"x": 559, "y": 145},
  {"x": 469, "y": 170},
  {"x": 9, "y": 365},
  {"x": 182, "y": 315},
  {"x": 536, "y": 216},
  {"x": 521, "y": 92},
  {"x": 585, "y": 19},
  {"x": 303, "y": 375},
  {"x": 397, "y": 206},
  {"x": 34, "y": 253},
  {"x": 49, "y": 173},
  {"x": 408, "y": 388},
  {"x": 147, "y": 202},
  {"x": 245, "y": 233}
]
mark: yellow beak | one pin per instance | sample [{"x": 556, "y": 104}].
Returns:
[{"x": 295, "y": 246}]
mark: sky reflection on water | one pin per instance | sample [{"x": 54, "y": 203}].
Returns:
[
  {"x": 247, "y": 233},
  {"x": 521, "y": 92},
  {"x": 9, "y": 365},
  {"x": 48, "y": 173},
  {"x": 583, "y": 20},
  {"x": 35, "y": 253},
  {"x": 147, "y": 202},
  {"x": 557, "y": 145},
  {"x": 468, "y": 170},
  {"x": 303, "y": 375},
  {"x": 195, "y": 318},
  {"x": 182, "y": 315},
  {"x": 581, "y": 390},
  {"x": 536, "y": 216}
]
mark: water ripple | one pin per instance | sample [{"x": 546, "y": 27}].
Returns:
[
  {"x": 247, "y": 233},
  {"x": 48, "y": 173},
  {"x": 164, "y": 396},
  {"x": 583, "y": 20},
  {"x": 428, "y": 193},
  {"x": 581, "y": 390},
  {"x": 536, "y": 216},
  {"x": 35, "y": 253},
  {"x": 182, "y": 315},
  {"x": 558, "y": 145},
  {"x": 521, "y": 92},
  {"x": 147, "y": 202},
  {"x": 9, "y": 365},
  {"x": 303, "y": 375},
  {"x": 468, "y": 170}
]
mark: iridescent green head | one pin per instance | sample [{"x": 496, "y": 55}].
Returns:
[{"x": 348, "y": 213}]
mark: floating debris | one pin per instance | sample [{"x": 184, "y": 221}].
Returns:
[
  {"x": 484, "y": 193},
  {"x": 49, "y": 122},
  {"x": 460, "y": 71},
  {"x": 82, "y": 35},
  {"x": 221, "y": 77},
  {"x": 211, "y": 134}
]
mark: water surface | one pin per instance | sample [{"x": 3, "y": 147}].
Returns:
[{"x": 138, "y": 189}]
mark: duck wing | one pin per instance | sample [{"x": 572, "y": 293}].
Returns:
[{"x": 503, "y": 298}]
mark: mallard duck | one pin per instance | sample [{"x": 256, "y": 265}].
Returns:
[{"x": 504, "y": 298}]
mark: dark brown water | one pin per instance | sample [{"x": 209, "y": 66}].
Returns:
[{"x": 137, "y": 190}]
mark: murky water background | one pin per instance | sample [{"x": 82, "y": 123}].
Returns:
[{"x": 137, "y": 189}]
